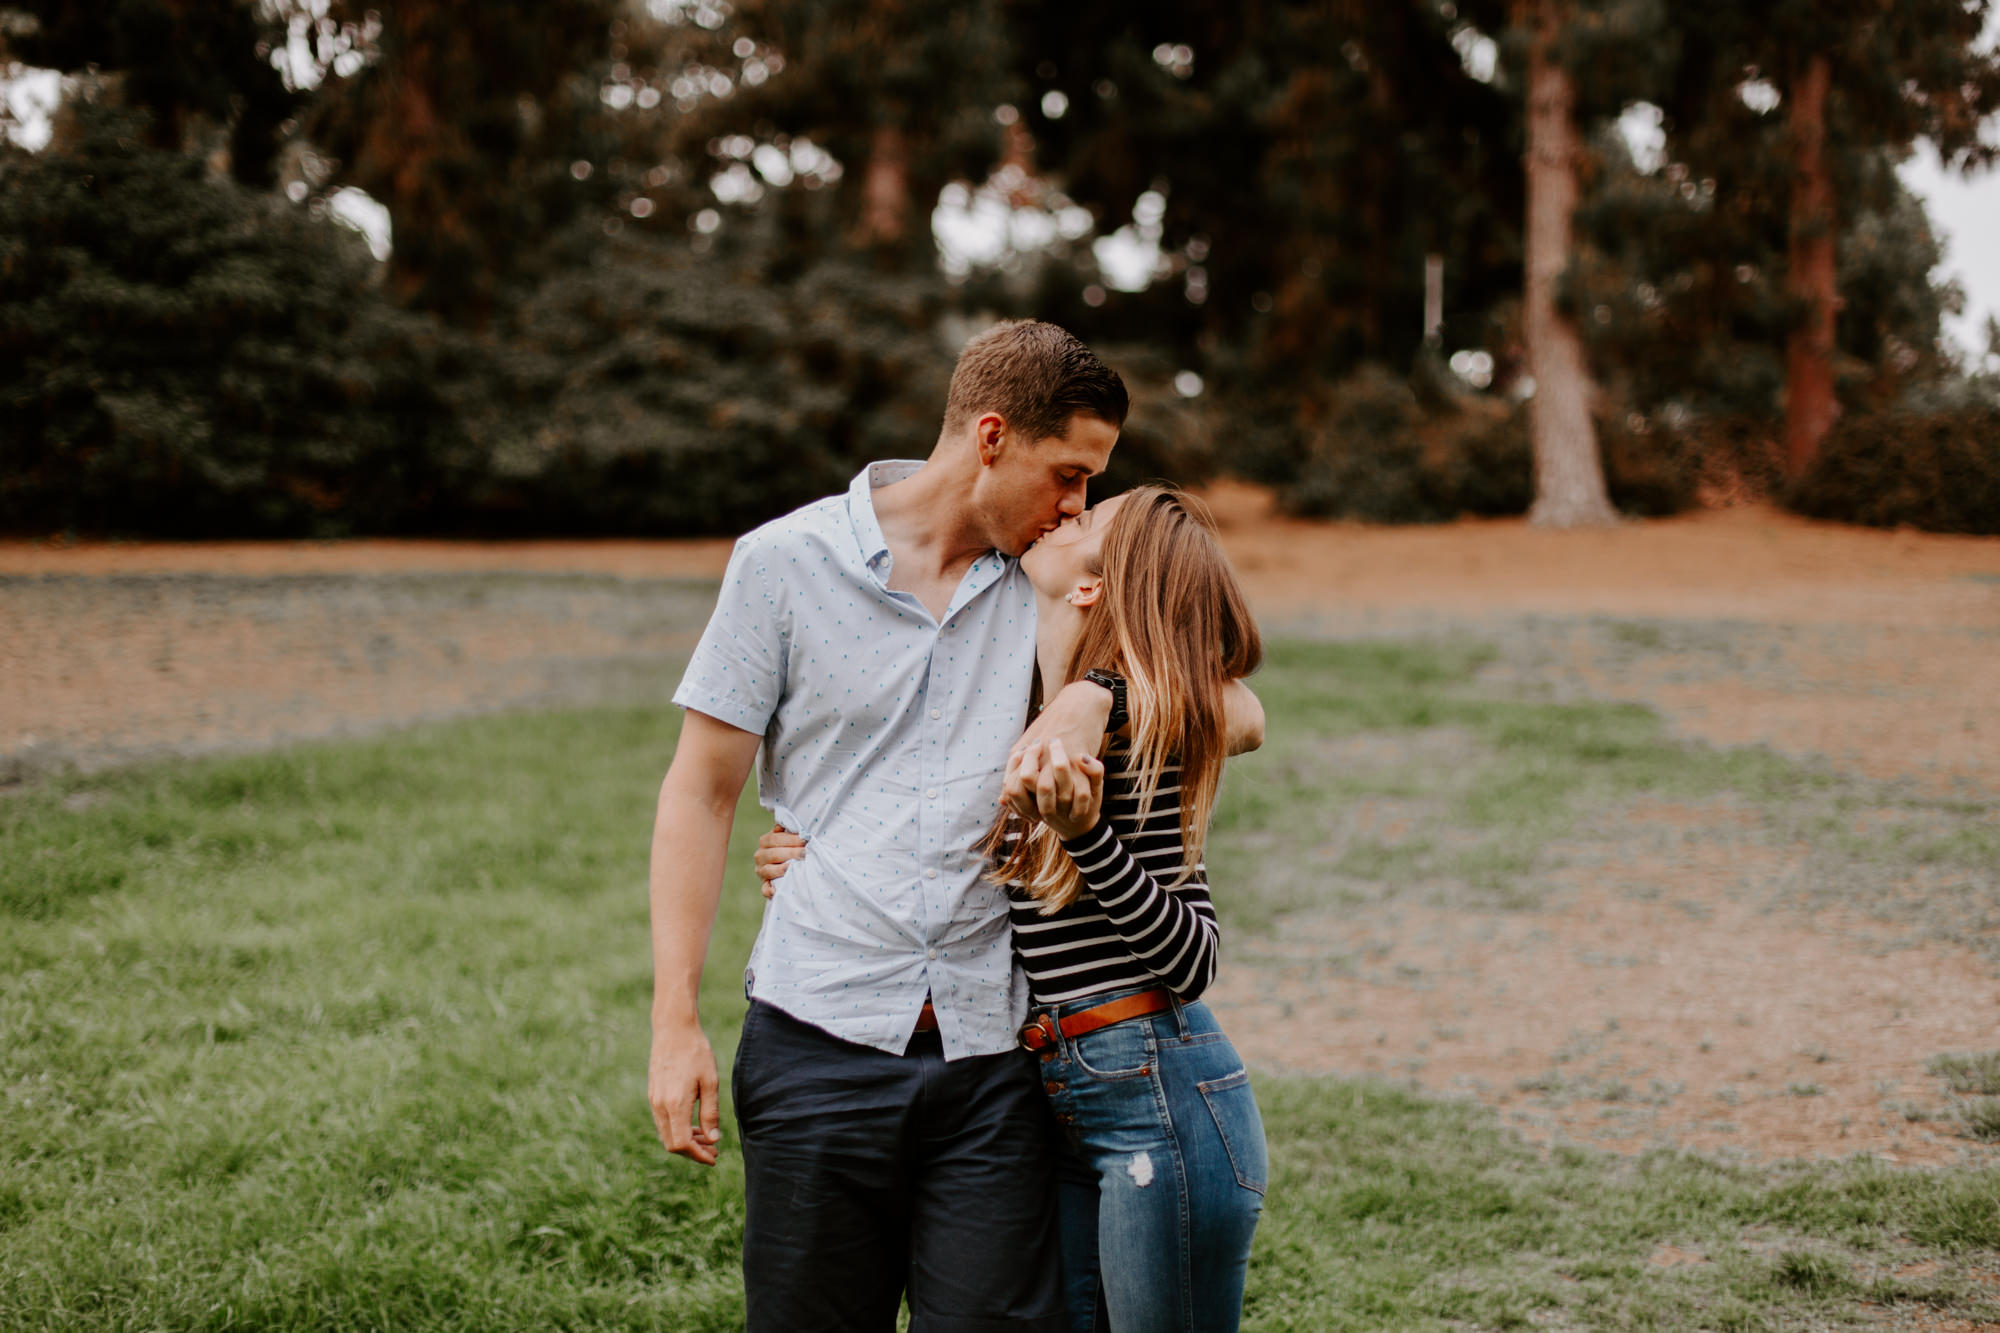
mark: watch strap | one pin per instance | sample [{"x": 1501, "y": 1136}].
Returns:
[{"x": 1114, "y": 682}]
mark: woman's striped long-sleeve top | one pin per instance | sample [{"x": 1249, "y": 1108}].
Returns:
[{"x": 1127, "y": 928}]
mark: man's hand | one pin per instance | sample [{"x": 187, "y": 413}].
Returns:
[
  {"x": 680, "y": 1077},
  {"x": 776, "y": 851},
  {"x": 1064, "y": 791},
  {"x": 1076, "y": 717}
]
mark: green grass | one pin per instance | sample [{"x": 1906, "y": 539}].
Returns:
[
  {"x": 1491, "y": 780},
  {"x": 1980, "y": 1120},
  {"x": 1969, "y": 1073},
  {"x": 352, "y": 1036},
  {"x": 1391, "y": 1211},
  {"x": 1503, "y": 777},
  {"x": 1977, "y": 1079}
]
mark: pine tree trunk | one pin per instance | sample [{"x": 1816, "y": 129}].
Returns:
[
  {"x": 1569, "y": 476},
  {"x": 1810, "y": 404},
  {"x": 885, "y": 190}
]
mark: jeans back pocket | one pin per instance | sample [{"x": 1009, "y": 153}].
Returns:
[{"x": 1234, "y": 1107}]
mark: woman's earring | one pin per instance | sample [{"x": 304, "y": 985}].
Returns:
[{"x": 1070, "y": 598}]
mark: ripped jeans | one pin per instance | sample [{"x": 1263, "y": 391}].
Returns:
[{"x": 1160, "y": 1172}]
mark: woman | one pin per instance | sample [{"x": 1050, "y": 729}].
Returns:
[{"x": 1163, "y": 1164}]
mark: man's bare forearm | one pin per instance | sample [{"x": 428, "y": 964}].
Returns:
[
  {"x": 690, "y": 847},
  {"x": 690, "y": 843},
  {"x": 1075, "y": 716}
]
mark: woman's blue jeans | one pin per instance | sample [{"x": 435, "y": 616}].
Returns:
[{"x": 1161, "y": 1172}]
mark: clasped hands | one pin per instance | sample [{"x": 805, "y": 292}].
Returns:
[
  {"x": 1046, "y": 782},
  {"x": 1053, "y": 773}
]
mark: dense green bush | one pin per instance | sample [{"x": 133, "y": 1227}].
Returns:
[
  {"x": 1167, "y": 437},
  {"x": 654, "y": 390},
  {"x": 1366, "y": 459},
  {"x": 644, "y": 389},
  {"x": 182, "y": 356},
  {"x": 1937, "y": 469},
  {"x": 1384, "y": 453},
  {"x": 1650, "y": 469}
]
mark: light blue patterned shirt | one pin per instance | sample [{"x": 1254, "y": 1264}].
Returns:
[{"x": 886, "y": 735}]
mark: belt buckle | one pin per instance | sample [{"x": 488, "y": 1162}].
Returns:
[{"x": 1039, "y": 1035}]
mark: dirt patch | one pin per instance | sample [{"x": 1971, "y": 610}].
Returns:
[
  {"x": 1656, "y": 997},
  {"x": 1874, "y": 649},
  {"x": 700, "y": 559},
  {"x": 1877, "y": 650},
  {"x": 1922, "y": 1319},
  {"x": 1673, "y": 1256},
  {"x": 114, "y": 667}
]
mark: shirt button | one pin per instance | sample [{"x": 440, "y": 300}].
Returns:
[
  {"x": 931, "y": 873},
  {"x": 933, "y": 953},
  {"x": 931, "y": 792},
  {"x": 937, "y": 712}
]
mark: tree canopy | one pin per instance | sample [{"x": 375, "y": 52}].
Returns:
[{"x": 671, "y": 266}]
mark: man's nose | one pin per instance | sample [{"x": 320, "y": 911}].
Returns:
[{"x": 1072, "y": 503}]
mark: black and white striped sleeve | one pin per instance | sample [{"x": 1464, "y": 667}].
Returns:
[{"x": 1171, "y": 934}]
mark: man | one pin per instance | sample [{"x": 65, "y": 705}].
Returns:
[{"x": 879, "y": 647}]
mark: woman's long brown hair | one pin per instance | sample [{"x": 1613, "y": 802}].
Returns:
[{"x": 1174, "y": 622}]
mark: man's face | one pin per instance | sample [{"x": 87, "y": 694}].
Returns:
[{"x": 1030, "y": 487}]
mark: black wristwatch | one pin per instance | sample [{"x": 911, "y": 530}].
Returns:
[{"x": 1114, "y": 682}]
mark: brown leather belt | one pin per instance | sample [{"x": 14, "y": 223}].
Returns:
[{"x": 1041, "y": 1034}]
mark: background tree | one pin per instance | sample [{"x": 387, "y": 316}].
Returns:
[
  {"x": 1299, "y": 161},
  {"x": 662, "y": 265},
  {"x": 1854, "y": 79},
  {"x": 1569, "y": 476},
  {"x": 198, "y": 68},
  {"x": 461, "y": 121},
  {"x": 902, "y": 92}
]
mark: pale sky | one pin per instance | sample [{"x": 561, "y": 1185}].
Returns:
[{"x": 1966, "y": 214}]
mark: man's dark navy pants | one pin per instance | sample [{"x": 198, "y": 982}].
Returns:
[{"x": 870, "y": 1173}]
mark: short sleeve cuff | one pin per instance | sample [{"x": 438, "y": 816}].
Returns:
[{"x": 733, "y": 710}]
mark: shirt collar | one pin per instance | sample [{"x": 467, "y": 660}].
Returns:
[{"x": 874, "y": 547}]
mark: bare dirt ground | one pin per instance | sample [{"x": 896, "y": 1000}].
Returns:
[
  {"x": 1690, "y": 976},
  {"x": 1877, "y": 650},
  {"x": 1657, "y": 996}
]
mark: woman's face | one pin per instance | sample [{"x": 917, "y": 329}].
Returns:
[{"x": 1066, "y": 559}]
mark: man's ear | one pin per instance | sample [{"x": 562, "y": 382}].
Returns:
[
  {"x": 1087, "y": 591},
  {"x": 990, "y": 435}
]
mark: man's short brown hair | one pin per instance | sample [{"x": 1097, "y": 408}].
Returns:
[{"x": 1035, "y": 375}]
